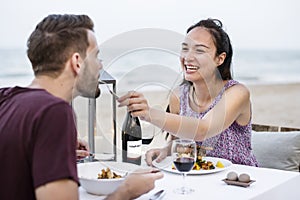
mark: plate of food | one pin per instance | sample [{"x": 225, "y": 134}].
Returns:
[
  {"x": 103, "y": 178},
  {"x": 203, "y": 165}
]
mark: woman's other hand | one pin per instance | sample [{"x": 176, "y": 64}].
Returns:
[{"x": 157, "y": 154}]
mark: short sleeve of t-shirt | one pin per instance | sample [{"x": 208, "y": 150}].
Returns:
[{"x": 54, "y": 155}]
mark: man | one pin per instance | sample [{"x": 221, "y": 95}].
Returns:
[{"x": 37, "y": 129}]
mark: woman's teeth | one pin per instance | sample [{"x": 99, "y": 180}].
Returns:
[{"x": 191, "y": 67}]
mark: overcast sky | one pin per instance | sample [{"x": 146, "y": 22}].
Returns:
[{"x": 254, "y": 24}]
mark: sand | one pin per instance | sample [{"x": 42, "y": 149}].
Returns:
[{"x": 275, "y": 105}]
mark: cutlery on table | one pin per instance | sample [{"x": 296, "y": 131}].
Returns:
[
  {"x": 110, "y": 91},
  {"x": 158, "y": 195}
]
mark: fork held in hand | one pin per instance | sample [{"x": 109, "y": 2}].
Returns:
[{"x": 110, "y": 91}]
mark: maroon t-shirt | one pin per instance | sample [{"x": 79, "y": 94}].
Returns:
[{"x": 37, "y": 141}]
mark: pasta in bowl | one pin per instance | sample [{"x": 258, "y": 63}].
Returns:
[{"x": 102, "y": 178}]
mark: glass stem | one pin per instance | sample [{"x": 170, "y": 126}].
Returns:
[{"x": 183, "y": 184}]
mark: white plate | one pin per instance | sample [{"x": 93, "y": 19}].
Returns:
[
  {"x": 166, "y": 165},
  {"x": 88, "y": 176},
  {"x": 104, "y": 156},
  {"x": 95, "y": 167}
]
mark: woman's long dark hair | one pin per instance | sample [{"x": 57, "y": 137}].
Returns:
[{"x": 222, "y": 43}]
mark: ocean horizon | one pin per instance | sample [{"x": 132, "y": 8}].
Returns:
[{"x": 155, "y": 69}]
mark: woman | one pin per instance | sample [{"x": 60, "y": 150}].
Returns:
[{"x": 209, "y": 106}]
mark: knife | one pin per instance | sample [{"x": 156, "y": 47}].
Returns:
[{"x": 158, "y": 195}]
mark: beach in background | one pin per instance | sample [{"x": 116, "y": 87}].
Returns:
[{"x": 273, "y": 78}]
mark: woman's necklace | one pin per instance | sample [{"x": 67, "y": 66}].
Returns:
[{"x": 195, "y": 100}]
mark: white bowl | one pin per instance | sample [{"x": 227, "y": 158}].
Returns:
[{"x": 88, "y": 176}]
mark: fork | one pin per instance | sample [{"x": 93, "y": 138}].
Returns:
[{"x": 110, "y": 91}]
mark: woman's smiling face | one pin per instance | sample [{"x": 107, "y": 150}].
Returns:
[{"x": 198, "y": 54}]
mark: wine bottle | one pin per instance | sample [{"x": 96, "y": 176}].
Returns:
[
  {"x": 131, "y": 140},
  {"x": 148, "y": 132}
]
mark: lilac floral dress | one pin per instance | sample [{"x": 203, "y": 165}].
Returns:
[{"x": 234, "y": 143}]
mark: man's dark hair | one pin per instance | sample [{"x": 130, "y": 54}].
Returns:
[{"x": 55, "y": 39}]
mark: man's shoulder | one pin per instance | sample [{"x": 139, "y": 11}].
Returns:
[
  {"x": 33, "y": 98},
  {"x": 20, "y": 91},
  {"x": 36, "y": 95}
]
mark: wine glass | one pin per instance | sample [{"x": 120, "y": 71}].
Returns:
[{"x": 184, "y": 154}]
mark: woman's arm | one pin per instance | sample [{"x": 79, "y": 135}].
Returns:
[
  {"x": 234, "y": 104},
  {"x": 174, "y": 107}
]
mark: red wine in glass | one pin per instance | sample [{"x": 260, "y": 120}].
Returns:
[
  {"x": 184, "y": 157},
  {"x": 184, "y": 164}
]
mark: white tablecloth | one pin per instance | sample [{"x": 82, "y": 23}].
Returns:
[{"x": 270, "y": 184}]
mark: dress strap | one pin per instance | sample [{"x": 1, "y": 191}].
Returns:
[
  {"x": 219, "y": 96},
  {"x": 184, "y": 98},
  {"x": 230, "y": 83}
]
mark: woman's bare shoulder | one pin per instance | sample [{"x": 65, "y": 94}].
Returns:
[
  {"x": 239, "y": 90},
  {"x": 239, "y": 96}
]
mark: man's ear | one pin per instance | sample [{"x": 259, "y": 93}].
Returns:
[
  {"x": 221, "y": 58},
  {"x": 76, "y": 62}
]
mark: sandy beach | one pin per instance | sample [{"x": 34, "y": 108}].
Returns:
[{"x": 274, "y": 105}]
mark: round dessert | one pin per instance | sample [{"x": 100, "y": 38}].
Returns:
[
  {"x": 232, "y": 176},
  {"x": 245, "y": 178}
]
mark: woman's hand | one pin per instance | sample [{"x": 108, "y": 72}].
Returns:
[
  {"x": 157, "y": 154},
  {"x": 136, "y": 104}
]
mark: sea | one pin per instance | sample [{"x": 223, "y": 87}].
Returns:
[
  {"x": 157, "y": 69},
  {"x": 152, "y": 69}
]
